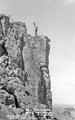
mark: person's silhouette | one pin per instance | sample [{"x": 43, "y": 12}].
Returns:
[{"x": 36, "y": 28}]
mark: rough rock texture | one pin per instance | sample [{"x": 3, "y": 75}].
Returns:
[{"x": 24, "y": 75}]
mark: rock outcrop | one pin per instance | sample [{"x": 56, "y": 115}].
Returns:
[{"x": 24, "y": 73}]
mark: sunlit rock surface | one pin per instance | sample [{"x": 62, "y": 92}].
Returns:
[{"x": 24, "y": 74}]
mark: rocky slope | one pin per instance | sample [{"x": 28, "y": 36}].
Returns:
[{"x": 24, "y": 74}]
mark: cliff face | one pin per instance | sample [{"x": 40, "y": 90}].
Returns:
[{"x": 24, "y": 73}]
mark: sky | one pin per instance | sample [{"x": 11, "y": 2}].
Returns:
[{"x": 55, "y": 19}]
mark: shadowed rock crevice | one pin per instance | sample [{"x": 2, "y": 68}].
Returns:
[
  {"x": 42, "y": 89},
  {"x": 11, "y": 92},
  {"x": 3, "y": 50}
]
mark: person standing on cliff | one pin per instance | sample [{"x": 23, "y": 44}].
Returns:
[{"x": 36, "y": 28}]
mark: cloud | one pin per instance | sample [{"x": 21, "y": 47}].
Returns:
[{"x": 69, "y": 1}]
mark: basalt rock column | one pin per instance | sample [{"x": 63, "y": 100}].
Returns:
[
  {"x": 15, "y": 42},
  {"x": 4, "y": 25},
  {"x": 36, "y": 61}
]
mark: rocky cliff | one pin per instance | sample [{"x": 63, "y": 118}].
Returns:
[{"x": 24, "y": 73}]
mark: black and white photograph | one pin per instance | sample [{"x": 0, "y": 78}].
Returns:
[{"x": 37, "y": 60}]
